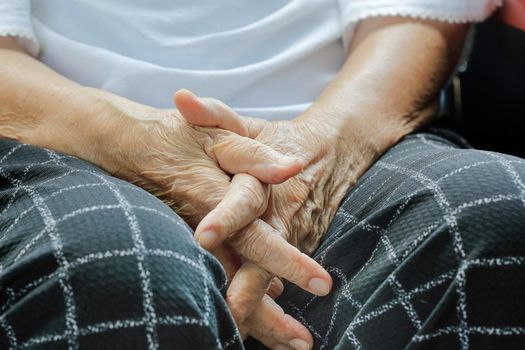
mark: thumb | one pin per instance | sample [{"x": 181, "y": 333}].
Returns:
[
  {"x": 208, "y": 112},
  {"x": 237, "y": 152}
]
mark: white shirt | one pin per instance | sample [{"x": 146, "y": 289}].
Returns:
[{"x": 265, "y": 58}]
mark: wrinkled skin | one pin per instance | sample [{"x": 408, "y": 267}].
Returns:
[
  {"x": 304, "y": 206},
  {"x": 189, "y": 168},
  {"x": 299, "y": 210}
]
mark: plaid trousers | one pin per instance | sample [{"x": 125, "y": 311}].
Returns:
[{"x": 426, "y": 251}]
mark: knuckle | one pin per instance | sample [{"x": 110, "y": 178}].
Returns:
[
  {"x": 268, "y": 332},
  {"x": 228, "y": 222},
  {"x": 274, "y": 329},
  {"x": 255, "y": 194},
  {"x": 240, "y": 305},
  {"x": 261, "y": 152},
  {"x": 293, "y": 268},
  {"x": 220, "y": 142},
  {"x": 260, "y": 251},
  {"x": 256, "y": 150},
  {"x": 264, "y": 278},
  {"x": 255, "y": 247},
  {"x": 237, "y": 147}
]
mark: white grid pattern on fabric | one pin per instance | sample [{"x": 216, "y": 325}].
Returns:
[
  {"x": 72, "y": 331},
  {"x": 51, "y": 228},
  {"x": 463, "y": 330},
  {"x": 403, "y": 297}
]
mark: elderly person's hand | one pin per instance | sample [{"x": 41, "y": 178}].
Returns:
[
  {"x": 262, "y": 247},
  {"x": 357, "y": 118},
  {"x": 299, "y": 209},
  {"x": 188, "y": 167}
]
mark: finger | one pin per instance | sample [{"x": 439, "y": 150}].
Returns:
[
  {"x": 277, "y": 330},
  {"x": 243, "y": 331},
  {"x": 214, "y": 113},
  {"x": 236, "y": 154},
  {"x": 254, "y": 125},
  {"x": 262, "y": 245},
  {"x": 245, "y": 200},
  {"x": 208, "y": 112},
  {"x": 246, "y": 290},
  {"x": 276, "y": 288},
  {"x": 229, "y": 260}
]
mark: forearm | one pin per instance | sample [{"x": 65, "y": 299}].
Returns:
[
  {"x": 40, "y": 107},
  {"x": 390, "y": 83}
]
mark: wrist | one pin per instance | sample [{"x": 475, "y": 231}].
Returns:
[
  {"x": 88, "y": 123},
  {"x": 369, "y": 130},
  {"x": 351, "y": 137}
]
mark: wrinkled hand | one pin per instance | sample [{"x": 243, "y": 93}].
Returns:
[
  {"x": 300, "y": 209},
  {"x": 189, "y": 166},
  {"x": 260, "y": 248}
]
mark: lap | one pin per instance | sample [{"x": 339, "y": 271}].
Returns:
[
  {"x": 427, "y": 250},
  {"x": 90, "y": 261}
]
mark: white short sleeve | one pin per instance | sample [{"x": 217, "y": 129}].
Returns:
[
  {"x": 453, "y": 11},
  {"x": 15, "y": 20}
]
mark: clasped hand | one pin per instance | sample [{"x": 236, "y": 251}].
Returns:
[{"x": 259, "y": 194}]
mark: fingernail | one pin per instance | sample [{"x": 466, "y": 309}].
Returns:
[
  {"x": 207, "y": 239},
  {"x": 318, "y": 286},
  {"x": 299, "y": 344}
]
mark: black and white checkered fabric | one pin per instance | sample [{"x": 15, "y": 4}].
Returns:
[
  {"x": 427, "y": 251},
  {"x": 92, "y": 262}
]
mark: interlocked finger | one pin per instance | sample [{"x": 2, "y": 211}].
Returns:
[
  {"x": 265, "y": 247},
  {"x": 246, "y": 290},
  {"x": 277, "y": 330},
  {"x": 245, "y": 200},
  {"x": 236, "y": 152},
  {"x": 208, "y": 112}
]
